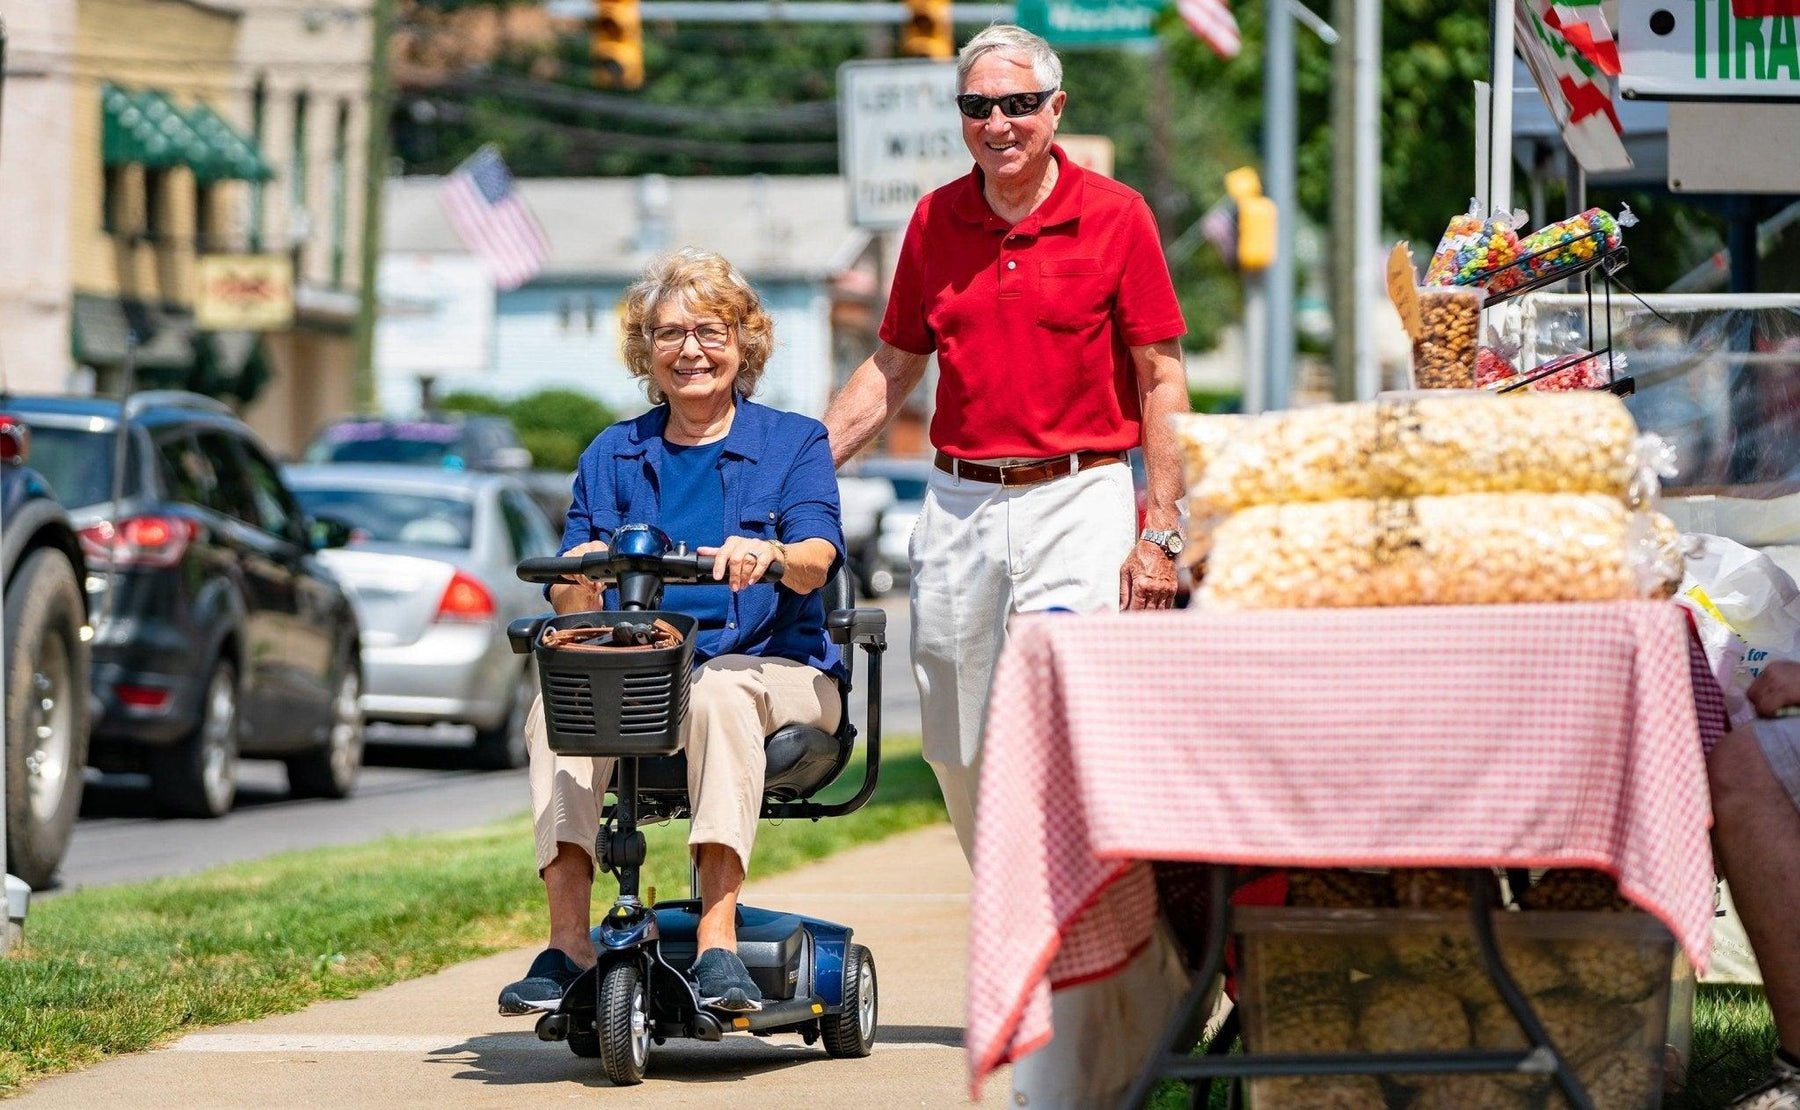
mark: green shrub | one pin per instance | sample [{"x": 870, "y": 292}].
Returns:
[{"x": 555, "y": 425}]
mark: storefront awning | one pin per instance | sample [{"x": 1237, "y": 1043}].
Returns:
[
  {"x": 233, "y": 156},
  {"x": 147, "y": 129}
]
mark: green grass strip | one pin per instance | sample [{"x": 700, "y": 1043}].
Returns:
[{"x": 122, "y": 969}]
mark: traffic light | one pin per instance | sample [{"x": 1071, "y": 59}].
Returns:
[
  {"x": 1253, "y": 245},
  {"x": 616, "y": 44},
  {"x": 927, "y": 32}
]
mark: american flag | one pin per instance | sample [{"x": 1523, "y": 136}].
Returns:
[
  {"x": 494, "y": 220},
  {"x": 1212, "y": 21}
]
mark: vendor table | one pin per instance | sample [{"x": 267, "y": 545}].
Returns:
[{"x": 1499, "y": 736}]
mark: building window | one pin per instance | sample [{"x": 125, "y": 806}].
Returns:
[
  {"x": 112, "y": 200},
  {"x": 340, "y": 191},
  {"x": 156, "y": 200},
  {"x": 299, "y": 218},
  {"x": 565, "y": 313},
  {"x": 592, "y": 313},
  {"x": 259, "y": 96}
]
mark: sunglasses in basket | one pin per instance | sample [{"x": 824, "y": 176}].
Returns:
[{"x": 1018, "y": 104}]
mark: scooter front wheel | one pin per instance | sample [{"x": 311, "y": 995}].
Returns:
[{"x": 623, "y": 1024}]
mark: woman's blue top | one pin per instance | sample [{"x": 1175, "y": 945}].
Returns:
[{"x": 771, "y": 477}]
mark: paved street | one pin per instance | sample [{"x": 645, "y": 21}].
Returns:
[
  {"x": 409, "y": 787},
  {"x": 437, "y": 1041}
]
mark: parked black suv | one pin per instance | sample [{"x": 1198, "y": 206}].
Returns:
[
  {"x": 45, "y": 720},
  {"x": 217, "y": 631}
]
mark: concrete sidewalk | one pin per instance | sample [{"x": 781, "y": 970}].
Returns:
[{"x": 438, "y": 1040}]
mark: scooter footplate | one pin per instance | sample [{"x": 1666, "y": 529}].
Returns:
[{"x": 773, "y": 1015}]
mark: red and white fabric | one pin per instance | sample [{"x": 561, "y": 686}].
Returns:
[
  {"x": 1529, "y": 736},
  {"x": 1213, "y": 23}
]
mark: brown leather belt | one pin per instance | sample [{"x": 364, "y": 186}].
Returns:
[{"x": 1026, "y": 474}]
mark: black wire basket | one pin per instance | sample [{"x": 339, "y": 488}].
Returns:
[{"x": 615, "y": 700}]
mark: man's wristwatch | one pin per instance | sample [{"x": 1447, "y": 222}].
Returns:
[{"x": 1168, "y": 539}]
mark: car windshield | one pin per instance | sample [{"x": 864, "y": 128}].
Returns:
[
  {"x": 384, "y": 516},
  {"x": 420, "y": 444},
  {"x": 77, "y": 463}
]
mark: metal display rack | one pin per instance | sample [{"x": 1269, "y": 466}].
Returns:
[
  {"x": 1604, "y": 263},
  {"x": 1172, "y": 1057}
]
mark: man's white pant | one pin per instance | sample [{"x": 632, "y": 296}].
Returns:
[{"x": 981, "y": 553}]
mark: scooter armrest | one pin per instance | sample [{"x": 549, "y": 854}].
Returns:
[
  {"x": 857, "y": 626},
  {"x": 522, "y": 633}
]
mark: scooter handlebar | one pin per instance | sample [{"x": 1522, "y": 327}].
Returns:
[{"x": 604, "y": 565}]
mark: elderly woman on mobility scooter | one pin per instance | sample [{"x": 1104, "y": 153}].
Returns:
[{"x": 750, "y": 485}]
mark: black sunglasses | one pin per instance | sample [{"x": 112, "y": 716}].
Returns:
[{"x": 976, "y": 106}]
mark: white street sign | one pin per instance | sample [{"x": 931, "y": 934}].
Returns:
[
  {"x": 1696, "y": 50},
  {"x": 899, "y": 136}
]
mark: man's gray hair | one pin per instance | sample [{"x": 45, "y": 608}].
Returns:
[{"x": 1010, "y": 37}]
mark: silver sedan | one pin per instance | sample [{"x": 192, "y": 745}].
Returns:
[{"x": 429, "y": 568}]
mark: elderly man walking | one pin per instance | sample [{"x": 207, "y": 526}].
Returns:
[{"x": 1043, "y": 291}]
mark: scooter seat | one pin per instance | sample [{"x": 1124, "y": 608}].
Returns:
[{"x": 799, "y": 760}]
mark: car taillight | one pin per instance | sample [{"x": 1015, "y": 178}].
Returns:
[
  {"x": 15, "y": 440},
  {"x": 142, "y": 697},
  {"x": 465, "y": 599},
  {"x": 140, "y": 541}
]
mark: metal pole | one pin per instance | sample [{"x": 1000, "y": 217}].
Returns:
[
  {"x": 1366, "y": 189},
  {"x": 1256, "y": 337},
  {"x": 1279, "y": 129},
  {"x": 381, "y": 107},
  {"x": 1345, "y": 323},
  {"x": 6, "y": 880},
  {"x": 1500, "y": 131}
]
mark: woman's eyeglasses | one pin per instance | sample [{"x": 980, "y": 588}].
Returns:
[
  {"x": 672, "y": 338},
  {"x": 976, "y": 106}
]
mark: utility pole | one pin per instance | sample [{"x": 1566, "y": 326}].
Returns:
[
  {"x": 1279, "y": 136},
  {"x": 381, "y": 110}
]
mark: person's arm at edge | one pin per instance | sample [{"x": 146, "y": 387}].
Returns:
[
  {"x": 870, "y": 399},
  {"x": 1162, "y": 394}
]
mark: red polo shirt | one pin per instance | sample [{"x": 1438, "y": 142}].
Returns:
[{"x": 1032, "y": 322}]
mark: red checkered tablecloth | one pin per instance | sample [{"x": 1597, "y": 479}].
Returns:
[{"x": 1524, "y": 736}]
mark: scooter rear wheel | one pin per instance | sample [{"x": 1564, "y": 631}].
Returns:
[{"x": 623, "y": 1024}]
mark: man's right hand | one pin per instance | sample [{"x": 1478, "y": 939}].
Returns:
[
  {"x": 1775, "y": 689},
  {"x": 580, "y": 594}
]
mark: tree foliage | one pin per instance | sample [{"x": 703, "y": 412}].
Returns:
[{"x": 555, "y": 425}]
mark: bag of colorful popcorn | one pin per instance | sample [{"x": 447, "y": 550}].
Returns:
[{"x": 1477, "y": 251}]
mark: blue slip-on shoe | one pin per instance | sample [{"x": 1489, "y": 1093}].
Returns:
[
  {"x": 724, "y": 982},
  {"x": 543, "y": 986}
]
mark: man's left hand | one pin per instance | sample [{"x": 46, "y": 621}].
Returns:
[{"x": 1147, "y": 580}]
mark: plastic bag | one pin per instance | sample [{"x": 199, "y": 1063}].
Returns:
[
  {"x": 1578, "y": 370},
  {"x": 1746, "y": 609},
  {"x": 1573, "y": 241},
  {"x": 1473, "y": 248},
  {"x": 1418, "y": 445},
  {"x": 1444, "y": 349},
  {"x": 1469, "y": 549}
]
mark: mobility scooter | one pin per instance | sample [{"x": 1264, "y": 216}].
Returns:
[{"x": 620, "y": 689}]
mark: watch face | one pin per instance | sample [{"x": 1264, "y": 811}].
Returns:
[{"x": 1175, "y": 543}]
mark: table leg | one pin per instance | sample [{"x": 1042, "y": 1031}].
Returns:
[
  {"x": 1184, "y": 1029},
  {"x": 1481, "y": 909}
]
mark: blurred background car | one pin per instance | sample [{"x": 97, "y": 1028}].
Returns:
[
  {"x": 862, "y": 501},
  {"x": 448, "y": 441},
  {"x": 430, "y": 567},
  {"x": 218, "y": 633},
  {"x": 45, "y": 721},
  {"x": 906, "y": 478}
]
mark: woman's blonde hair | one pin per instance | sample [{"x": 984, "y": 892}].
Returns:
[{"x": 703, "y": 282}]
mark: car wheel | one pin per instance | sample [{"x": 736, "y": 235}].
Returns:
[
  {"x": 503, "y": 747},
  {"x": 197, "y": 775},
  {"x": 46, "y": 714},
  {"x": 331, "y": 771}
]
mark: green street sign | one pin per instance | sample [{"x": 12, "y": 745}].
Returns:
[{"x": 1090, "y": 22}]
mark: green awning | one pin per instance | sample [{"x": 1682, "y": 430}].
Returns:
[
  {"x": 145, "y": 128},
  {"x": 233, "y": 157}
]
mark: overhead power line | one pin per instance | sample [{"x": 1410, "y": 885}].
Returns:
[
  {"x": 720, "y": 150},
  {"x": 817, "y": 115}
]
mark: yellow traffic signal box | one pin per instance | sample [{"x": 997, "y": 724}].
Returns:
[{"x": 616, "y": 44}]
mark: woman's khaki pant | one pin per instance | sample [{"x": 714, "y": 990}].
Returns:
[{"x": 734, "y": 703}]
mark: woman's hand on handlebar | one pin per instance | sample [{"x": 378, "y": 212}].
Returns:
[
  {"x": 581, "y": 594},
  {"x": 743, "y": 559}
]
